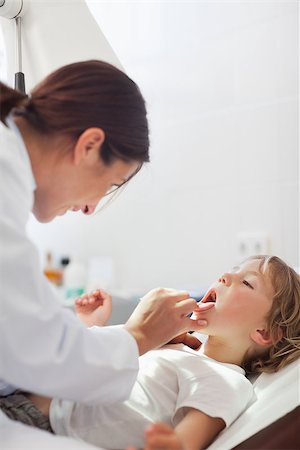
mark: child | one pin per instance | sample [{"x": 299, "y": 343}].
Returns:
[{"x": 253, "y": 324}]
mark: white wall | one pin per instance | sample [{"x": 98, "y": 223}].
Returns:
[{"x": 221, "y": 82}]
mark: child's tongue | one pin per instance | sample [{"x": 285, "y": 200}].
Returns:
[{"x": 201, "y": 307}]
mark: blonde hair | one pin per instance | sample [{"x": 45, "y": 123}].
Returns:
[{"x": 283, "y": 319}]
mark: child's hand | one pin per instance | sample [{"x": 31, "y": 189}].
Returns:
[
  {"x": 163, "y": 437},
  {"x": 94, "y": 309}
]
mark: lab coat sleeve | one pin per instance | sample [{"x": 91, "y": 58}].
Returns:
[{"x": 44, "y": 348}]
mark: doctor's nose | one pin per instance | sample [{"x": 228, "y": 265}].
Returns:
[{"x": 226, "y": 279}]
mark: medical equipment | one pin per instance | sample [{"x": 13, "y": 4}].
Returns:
[
  {"x": 13, "y": 10},
  {"x": 51, "y": 37}
]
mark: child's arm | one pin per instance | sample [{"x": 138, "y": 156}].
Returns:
[
  {"x": 94, "y": 309},
  {"x": 196, "y": 431}
]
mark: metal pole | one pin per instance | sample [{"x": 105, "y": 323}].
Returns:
[
  {"x": 18, "y": 45},
  {"x": 19, "y": 75}
]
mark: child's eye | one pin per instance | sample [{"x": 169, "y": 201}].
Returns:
[{"x": 246, "y": 283}]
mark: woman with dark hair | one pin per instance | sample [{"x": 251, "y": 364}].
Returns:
[{"x": 82, "y": 132}]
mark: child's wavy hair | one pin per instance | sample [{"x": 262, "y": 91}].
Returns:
[{"x": 283, "y": 319}]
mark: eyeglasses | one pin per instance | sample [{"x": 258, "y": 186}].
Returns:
[
  {"x": 109, "y": 197},
  {"x": 113, "y": 193}
]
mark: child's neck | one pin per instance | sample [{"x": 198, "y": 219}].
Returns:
[{"x": 222, "y": 351}]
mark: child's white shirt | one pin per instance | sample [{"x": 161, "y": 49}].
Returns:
[{"x": 170, "y": 380}]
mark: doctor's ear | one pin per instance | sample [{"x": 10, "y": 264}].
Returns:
[{"x": 88, "y": 145}]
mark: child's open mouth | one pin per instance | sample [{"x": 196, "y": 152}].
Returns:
[
  {"x": 208, "y": 301},
  {"x": 210, "y": 297}
]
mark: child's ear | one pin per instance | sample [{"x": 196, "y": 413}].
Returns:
[{"x": 261, "y": 337}]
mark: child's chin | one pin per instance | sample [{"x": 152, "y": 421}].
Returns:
[{"x": 197, "y": 316}]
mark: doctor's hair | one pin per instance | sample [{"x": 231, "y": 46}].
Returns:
[
  {"x": 283, "y": 319},
  {"x": 9, "y": 99},
  {"x": 84, "y": 95}
]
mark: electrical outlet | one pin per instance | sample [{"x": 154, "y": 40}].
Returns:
[{"x": 253, "y": 243}]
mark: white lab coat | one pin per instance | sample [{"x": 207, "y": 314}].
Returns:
[{"x": 43, "y": 347}]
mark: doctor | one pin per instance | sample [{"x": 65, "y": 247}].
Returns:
[{"x": 82, "y": 133}]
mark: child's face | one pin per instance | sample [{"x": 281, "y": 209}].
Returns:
[{"x": 242, "y": 298}]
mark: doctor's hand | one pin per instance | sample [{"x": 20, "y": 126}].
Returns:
[
  {"x": 161, "y": 315},
  {"x": 187, "y": 339}
]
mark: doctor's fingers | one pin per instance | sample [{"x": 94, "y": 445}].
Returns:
[
  {"x": 163, "y": 294},
  {"x": 186, "y": 306}
]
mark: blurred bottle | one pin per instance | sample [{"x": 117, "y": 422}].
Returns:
[
  {"x": 64, "y": 261},
  {"x": 54, "y": 274},
  {"x": 74, "y": 279}
]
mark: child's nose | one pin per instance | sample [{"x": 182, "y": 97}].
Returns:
[{"x": 225, "y": 279}]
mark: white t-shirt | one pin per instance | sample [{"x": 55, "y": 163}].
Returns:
[
  {"x": 170, "y": 379},
  {"x": 43, "y": 347}
]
